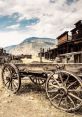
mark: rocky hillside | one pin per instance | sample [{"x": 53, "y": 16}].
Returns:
[{"x": 31, "y": 46}]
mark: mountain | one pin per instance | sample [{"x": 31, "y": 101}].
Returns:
[
  {"x": 9, "y": 48},
  {"x": 31, "y": 45},
  {"x": 34, "y": 39}
]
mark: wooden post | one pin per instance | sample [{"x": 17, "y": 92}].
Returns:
[
  {"x": 49, "y": 55},
  {"x": 40, "y": 55}
]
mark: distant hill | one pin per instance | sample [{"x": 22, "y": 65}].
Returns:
[
  {"x": 31, "y": 45},
  {"x": 9, "y": 48}
]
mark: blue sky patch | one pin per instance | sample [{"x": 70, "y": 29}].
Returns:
[
  {"x": 6, "y": 21},
  {"x": 52, "y": 1},
  {"x": 9, "y": 20},
  {"x": 28, "y": 22},
  {"x": 69, "y": 2}
]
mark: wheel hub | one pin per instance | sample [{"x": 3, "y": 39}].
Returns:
[
  {"x": 8, "y": 79},
  {"x": 63, "y": 91}
]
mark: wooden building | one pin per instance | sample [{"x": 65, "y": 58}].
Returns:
[
  {"x": 51, "y": 54},
  {"x": 64, "y": 44},
  {"x": 77, "y": 41},
  {"x": 68, "y": 45}
]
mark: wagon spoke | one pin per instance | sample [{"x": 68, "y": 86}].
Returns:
[
  {"x": 57, "y": 82},
  {"x": 61, "y": 79},
  {"x": 52, "y": 90},
  {"x": 35, "y": 80},
  {"x": 66, "y": 103},
  {"x": 77, "y": 90},
  {"x": 54, "y": 85},
  {"x": 38, "y": 80},
  {"x": 15, "y": 82},
  {"x": 6, "y": 82},
  {"x": 66, "y": 81},
  {"x": 15, "y": 85},
  {"x": 55, "y": 97},
  {"x": 9, "y": 85},
  {"x": 71, "y": 101},
  {"x": 60, "y": 101},
  {"x": 71, "y": 84},
  {"x": 14, "y": 76},
  {"x": 74, "y": 96}
]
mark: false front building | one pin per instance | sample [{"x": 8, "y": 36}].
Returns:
[
  {"x": 71, "y": 46},
  {"x": 64, "y": 46},
  {"x": 64, "y": 43},
  {"x": 77, "y": 41}
]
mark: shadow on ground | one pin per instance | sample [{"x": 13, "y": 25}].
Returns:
[{"x": 30, "y": 87}]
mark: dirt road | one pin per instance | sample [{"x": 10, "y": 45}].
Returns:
[{"x": 30, "y": 102}]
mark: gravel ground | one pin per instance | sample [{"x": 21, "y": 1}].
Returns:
[{"x": 30, "y": 102}]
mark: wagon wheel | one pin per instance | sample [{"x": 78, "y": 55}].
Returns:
[
  {"x": 64, "y": 91},
  {"x": 10, "y": 77},
  {"x": 38, "y": 80}
]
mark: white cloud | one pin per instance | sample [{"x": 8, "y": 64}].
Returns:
[
  {"x": 15, "y": 27},
  {"x": 54, "y": 17},
  {"x": 11, "y": 38}
]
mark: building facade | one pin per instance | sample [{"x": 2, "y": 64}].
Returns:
[
  {"x": 77, "y": 41},
  {"x": 68, "y": 46}
]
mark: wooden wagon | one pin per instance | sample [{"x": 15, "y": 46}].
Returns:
[{"x": 63, "y": 82}]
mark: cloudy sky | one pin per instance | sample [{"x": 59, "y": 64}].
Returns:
[{"x": 20, "y": 19}]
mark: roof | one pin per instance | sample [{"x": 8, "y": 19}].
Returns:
[
  {"x": 66, "y": 32},
  {"x": 68, "y": 41},
  {"x": 80, "y": 21},
  {"x": 74, "y": 29}
]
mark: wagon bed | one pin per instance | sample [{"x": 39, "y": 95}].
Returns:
[{"x": 75, "y": 68}]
